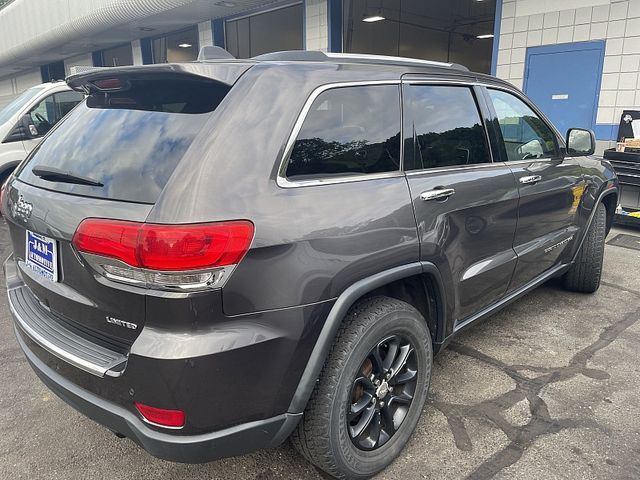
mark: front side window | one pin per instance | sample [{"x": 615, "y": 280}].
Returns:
[
  {"x": 43, "y": 115},
  {"x": 446, "y": 125},
  {"x": 52, "y": 108},
  {"x": 348, "y": 131},
  {"x": 524, "y": 133}
]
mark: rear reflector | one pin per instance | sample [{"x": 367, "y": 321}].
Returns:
[
  {"x": 161, "y": 416},
  {"x": 166, "y": 247}
]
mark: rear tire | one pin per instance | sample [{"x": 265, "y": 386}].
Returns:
[
  {"x": 5, "y": 175},
  {"x": 584, "y": 276},
  {"x": 327, "y": 434}
]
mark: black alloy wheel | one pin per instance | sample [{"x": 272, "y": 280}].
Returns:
[{"x": 382, "y": 393}]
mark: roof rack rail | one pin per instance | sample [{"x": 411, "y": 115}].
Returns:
[{"x": 317, "y": 56}]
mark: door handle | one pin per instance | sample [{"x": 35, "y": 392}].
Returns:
[
  {"x": 531, "y": 180},
  {"x": 437, "y": 194}
]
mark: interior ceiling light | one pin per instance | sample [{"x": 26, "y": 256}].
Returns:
[
  {"x": 376, "y": 17},
  {"x": 184, "y": 45},
  {"x": 487, "y": 35},
  {"x": 373, "y": 18}
]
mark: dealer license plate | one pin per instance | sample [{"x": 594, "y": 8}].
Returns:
[{"x": 42, "y": 255}]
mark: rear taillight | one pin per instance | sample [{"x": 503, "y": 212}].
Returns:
[
  {"x": 169, "y": 256},
  {"x": 161, "y": 417}
]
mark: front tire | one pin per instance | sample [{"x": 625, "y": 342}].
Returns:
[
  {"x": 371, "y": 391},
  {"x": 584, "y": 275}
]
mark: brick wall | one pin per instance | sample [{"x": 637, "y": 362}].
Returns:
[
  {"x": 527, "y": 23},
  {"x": 316, "y": 32}
]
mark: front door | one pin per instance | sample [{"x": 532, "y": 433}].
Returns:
[
  {"x": 550, "y": 186},
  {"x": 564, "y": 81},
  {"x": 465, "y": 205}
]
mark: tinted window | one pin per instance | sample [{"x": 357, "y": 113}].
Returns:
[
  {"x": 130, "y": 141},
  {"x": 349, "y": 131},
  {"x": 446, "y": 125},
  {"x": 525, "y": 134}
]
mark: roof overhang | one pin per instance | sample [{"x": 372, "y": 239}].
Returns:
[{"x": 36, "y": 32}]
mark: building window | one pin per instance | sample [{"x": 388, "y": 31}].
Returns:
[
  {"x": 53, "y": 71},
  {"x": 117, "y": 56},
  {"x": 458, "y": 32},
  {"x": 276, "y": 30},
  {"x": 176, "y": 47}
]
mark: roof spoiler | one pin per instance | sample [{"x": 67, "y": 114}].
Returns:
[{"x": 223, "y": 73}]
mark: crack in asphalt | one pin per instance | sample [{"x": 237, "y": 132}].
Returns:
[{"x": 540, "y": 423}]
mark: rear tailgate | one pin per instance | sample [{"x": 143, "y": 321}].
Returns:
[
  {"x": 110, "y": 158},
  {"x": 78, "y": 296}
]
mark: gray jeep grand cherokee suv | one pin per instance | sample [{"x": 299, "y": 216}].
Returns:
[{"x": 212, "y": 257}]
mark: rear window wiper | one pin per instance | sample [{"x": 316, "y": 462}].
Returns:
[{"x": 56, "y": 175}]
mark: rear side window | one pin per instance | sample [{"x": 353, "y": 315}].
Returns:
[
  {"x": 128, "y": 140},
  {"x": 447, "y": 128},
  {"x": 348, "y": 131}
]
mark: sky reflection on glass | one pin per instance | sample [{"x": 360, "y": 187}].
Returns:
[{"x": 132, "y": 152}]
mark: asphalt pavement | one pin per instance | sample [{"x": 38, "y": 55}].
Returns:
[{"x": 547, "y": 388}]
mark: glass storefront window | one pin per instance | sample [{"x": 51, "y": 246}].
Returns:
[
  {"x": 176, "y": 47},
  {"x": 280, "y": 29},
  {"x": 117, "y": 56},
  {"x": 427, "y": 29}
]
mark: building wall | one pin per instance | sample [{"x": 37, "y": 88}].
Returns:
[
  {"x": 205, "y": 34},
  {"x": 316, "y": 29},
  {"x": 13, "y": 86},
  {"x": 531, "y": 23},
  {"x": 84, "y": 60},
  {"x": 136, "y": 51},
  {"x": 316, "y": 35}
]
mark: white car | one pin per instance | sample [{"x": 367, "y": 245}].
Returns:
[{"x": 25, "y": 120}]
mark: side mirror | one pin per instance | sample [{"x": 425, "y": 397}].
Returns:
[
  {"x": 580, "y": 142},
  {"x": 23, "y": 130}
]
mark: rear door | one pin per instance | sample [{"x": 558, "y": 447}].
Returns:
[
  {"x": 550, "y": 185},
  {"x": 465, "y": 204}
]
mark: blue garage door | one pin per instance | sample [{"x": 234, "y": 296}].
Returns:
[{"x": 564, "y": 81}]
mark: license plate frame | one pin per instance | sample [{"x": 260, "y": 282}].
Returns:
[{"x": 41, "y": 255}]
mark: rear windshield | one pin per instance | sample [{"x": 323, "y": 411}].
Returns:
[{"x": 127, "y": 142}]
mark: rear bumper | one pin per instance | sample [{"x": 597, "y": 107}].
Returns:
[
  {"x": 231, "y": 441},
  {"x": 235, "y": 399}
]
